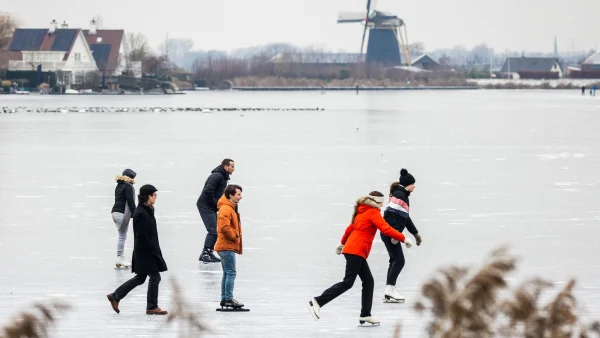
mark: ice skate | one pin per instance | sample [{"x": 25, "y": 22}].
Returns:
[
  {"x": 232, "y": 306},
  {"x": 368, "y": 320},
  {"x": 207, "y": 256},
  {"x": 120, "y": 263},
  {"x": 314, "y": 309},
  {"x": 391, "y": 296}
]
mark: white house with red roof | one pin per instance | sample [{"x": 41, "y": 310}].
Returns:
[{"x": 74, "y": 53}]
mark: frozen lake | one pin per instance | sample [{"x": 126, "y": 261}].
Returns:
[{"x": 492, "y": 168}]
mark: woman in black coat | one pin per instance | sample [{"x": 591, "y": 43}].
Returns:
[{"x": 147, "y": 256}]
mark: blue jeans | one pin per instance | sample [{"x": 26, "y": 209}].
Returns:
[{"x": 229, "y": 273}]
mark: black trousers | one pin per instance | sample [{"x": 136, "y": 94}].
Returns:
[
  {"x": 396, "y": 259},
  {"x": 355, "y": 266},
  {"x": 139, "y": 279},
  {"x": 209, "y": 218}
]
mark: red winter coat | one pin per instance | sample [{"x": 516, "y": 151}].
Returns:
[{"x": 358, "y": 238}]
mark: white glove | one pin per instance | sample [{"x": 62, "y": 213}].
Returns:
[
  {"x": 408, "y": 243},
  {"x": 395, "y": 241},
  {"x": 339, "y": 249}
]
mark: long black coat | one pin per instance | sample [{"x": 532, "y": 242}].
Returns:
[
  {"x": 213, "y": 189},
  {"x": 147, "y": 257}
]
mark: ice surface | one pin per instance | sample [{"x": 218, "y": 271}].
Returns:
[{"x": 303, "y": 171}]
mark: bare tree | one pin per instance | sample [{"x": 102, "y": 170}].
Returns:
[
  {"x": 136, "y": 47},
  {"x": 8, "y": 24}
]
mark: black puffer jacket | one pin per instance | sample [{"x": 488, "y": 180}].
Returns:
[
  {"x": 124, "y": 195},
  {"x": 396, "y": 213},
  {"x": 213, "y": 189},
  {"x": 147, "y": 256}
]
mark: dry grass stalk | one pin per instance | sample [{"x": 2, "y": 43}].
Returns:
[
  {"x": 181, "y": 312},
  {"x": 35, "y": 322},
  {"x": 464, "y": 307}
]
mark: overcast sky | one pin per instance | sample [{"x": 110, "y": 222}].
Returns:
[{"x": 528, "y": 25}]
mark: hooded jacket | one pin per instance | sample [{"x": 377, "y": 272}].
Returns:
[
  {"x": 213, "y": 189},
  {"x": 229, "y": 227},
  {"x": 358, "y": 238},
  {"x": 124, "y": 193},
  {"x": 396, "y": 213}
]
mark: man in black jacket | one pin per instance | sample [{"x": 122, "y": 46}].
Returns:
[
  {"x": 207, "y": 206},
  {"x": 147, "y": 256}
]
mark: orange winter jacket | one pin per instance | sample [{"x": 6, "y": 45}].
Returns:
[
  {"x": 358, "y": 238},
  {"x": 229, "y": 227}
]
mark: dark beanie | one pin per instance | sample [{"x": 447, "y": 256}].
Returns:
[
  {"x": 147, "y": 190},
  {"x": 406, "y": 179},
  {"x": 129, "y": 173}
]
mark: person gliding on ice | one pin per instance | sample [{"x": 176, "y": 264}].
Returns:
[
  {"x": 356, "y": 245},
  {"x": 122, "y": 211},
  {"x": 396, "y": 215}
]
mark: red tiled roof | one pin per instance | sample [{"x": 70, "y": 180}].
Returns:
[{"x": 113, "y": 37}]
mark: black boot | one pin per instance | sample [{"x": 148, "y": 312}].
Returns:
[{"x": 214, "y": 257}]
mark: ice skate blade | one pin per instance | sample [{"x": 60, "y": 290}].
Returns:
[
  {"x": 367, "y": 324},
  {"x": 229, "y": 309},
  {"x": 121, "y": 267},
  {"x": 398, "y": 301}
]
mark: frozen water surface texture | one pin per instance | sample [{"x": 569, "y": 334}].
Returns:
[{"x": 492, "y": 168}]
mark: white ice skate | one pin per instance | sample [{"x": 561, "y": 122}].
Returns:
[
  {"x": 314, "y": 309},
  {"x": 121, "y": 263},
  {"x": 369, "y": 320},
  {"x": 391, "y": 296}
]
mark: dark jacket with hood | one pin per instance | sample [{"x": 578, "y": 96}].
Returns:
[
  {"x": 124, "y": 194},
  {"x": 396, "y": 213},
  {"x": 213, "y": 189},
  {"x": 147, "y": 256}
]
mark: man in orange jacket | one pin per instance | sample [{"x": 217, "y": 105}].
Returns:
[
  {"x": 229, "y": 241},
  {"x": 356, "y": 246}
]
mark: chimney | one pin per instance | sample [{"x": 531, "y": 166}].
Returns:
[
  {"x": 64, "y": 25},
  {"x": 53, "y": 26},
  {"x": 93, "y": 27}
]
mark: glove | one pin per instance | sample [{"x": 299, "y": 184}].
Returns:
[
  {"x": 338, "y": 250},
  {"x": 408, "y": 243},
  {"x": 418, "y": 238},
  {"x": 395, "y": 241}
]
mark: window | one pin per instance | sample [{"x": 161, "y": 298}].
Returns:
[{"x": 77, "y": 57}]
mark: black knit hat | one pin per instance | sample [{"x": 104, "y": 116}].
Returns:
[
  {"x": 129, "y": 173},
  {"x": 406, "y": 179},
  {"x": 147, "y": 190}
]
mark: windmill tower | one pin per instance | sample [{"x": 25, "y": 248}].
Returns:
[{"x": 388, "y": 39}]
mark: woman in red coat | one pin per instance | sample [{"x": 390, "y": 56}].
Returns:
[{"x": 356, "y": 246}]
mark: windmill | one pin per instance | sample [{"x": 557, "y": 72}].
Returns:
[{"x": 387, "y": 35}]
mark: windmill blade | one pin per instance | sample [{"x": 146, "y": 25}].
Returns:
[
  {"x": 362, "y": 44},
  {"x": 345, "y": 17}
]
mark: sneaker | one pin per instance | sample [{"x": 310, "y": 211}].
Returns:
[
  {"x": 233, "y": 303},
  {"x": 156, "y": 311},
  {"x": 314, "y": 309},
  {"x": 113, "y": 302}
]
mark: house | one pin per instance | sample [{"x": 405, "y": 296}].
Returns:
[
  {"x": 63, "y": 50},
  {"x": 76, "y": 55},
  {"x": 533, "y": 67},
  {"x": 425, "y": 62},
  {"x": 590, "y": 68},
  {"x": 108, "y": 48}
]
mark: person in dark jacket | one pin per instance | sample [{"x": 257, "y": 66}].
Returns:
[
  {"x": 147, "y": 257},
  {"x": 122, "y": 210},
  {"x": 396, "y": 215},
  {"x": 207, "y": 206}
]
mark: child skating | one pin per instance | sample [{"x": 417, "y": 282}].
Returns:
[
  {"x": 396, "y": 215},
  {"x": 356, "y": 245}
]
